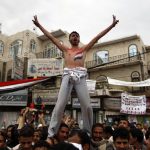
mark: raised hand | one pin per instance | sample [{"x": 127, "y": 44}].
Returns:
[
  {"x": 35, "y": 21},
  {"x": 115, "y": 21}
]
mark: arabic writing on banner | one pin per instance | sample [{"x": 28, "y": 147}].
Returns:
[
  {"x": 45, "y": 67},
  {"x": 133, "y": 104}
]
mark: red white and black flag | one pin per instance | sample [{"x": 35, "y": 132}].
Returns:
[{"x": 15, "y": 85}]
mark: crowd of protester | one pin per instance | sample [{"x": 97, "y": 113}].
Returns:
[{"x": 24, "y": 135}]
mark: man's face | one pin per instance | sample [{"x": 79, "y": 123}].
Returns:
[
  {"x": 139, "y": 126},
  {"x": 97, "y": 134},
  {"x": 36, "y": 136},
  {"x": 26, "y": 142},
  {"x": 9, "y": 132},
  {"x": 121, "y": 144},
  {"x": 132, "y": 140},
  {"x": 123, "y": 123},
  {"x": 63, "y": 133},
  {"x": 2, "y": 142},
  {"x": 74, "y": 39},
  {"x": 147, "y": 142}
]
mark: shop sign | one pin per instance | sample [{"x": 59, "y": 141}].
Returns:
[
  {"x": 95, "y": 102},
  {"x": 46, "y": 97},
  {"x": 18, "y": 98},
  {"x": 45, "y": 67},
  {"x": 112, "y": 103}
]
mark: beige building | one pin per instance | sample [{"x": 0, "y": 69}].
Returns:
[{"x": 125, "y": 59}]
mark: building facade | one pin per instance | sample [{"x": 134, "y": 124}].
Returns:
[{"x": 126, "y": 59}]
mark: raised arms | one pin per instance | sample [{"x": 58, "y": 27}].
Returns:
[
  {"x": 63, "y": 47},
  {"x": 49, "y": 35},
  {"x": 101, "y": 34}
]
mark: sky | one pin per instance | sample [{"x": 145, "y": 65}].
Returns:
[{"x": 88, "y": 17}]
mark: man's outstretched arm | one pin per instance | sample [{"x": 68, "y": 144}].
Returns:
[
  {"x": 101, "y": 34},
  {"x": 49, "y": 35}
]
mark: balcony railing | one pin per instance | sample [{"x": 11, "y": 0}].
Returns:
[
  {"x": 54, "y": 53},
  {"x": 115, "y": 60}
]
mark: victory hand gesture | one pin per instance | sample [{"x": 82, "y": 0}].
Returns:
[
  {"x": 114, "y": 21},
  {"x": 35, "y": 21}
]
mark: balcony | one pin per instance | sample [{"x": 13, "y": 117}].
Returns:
[
  {"x": 115, "y": 60},
  {"x": 52, "y": 53}
]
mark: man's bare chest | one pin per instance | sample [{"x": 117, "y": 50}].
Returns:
[{"x": 78, "y": 55}]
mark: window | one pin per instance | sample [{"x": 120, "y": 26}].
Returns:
[
  {"x": 51, "y": 51},
  {"x": 16, "y": 48},
  {"x": 132, "y": 50},
  {"x": 9, "y": 73},
  {"x": 101, "y": 57},
  {"x": 1, "y": 47},
  {"x": 101, "y": 82},
  {"x": 32, "y": 46},
  {"x": 135, "y": 76}
]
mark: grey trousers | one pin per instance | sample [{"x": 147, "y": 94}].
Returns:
[{"x": 63, "y": 96}]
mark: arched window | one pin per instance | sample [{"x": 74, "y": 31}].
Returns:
[
  {"x": 1, "y": 48},
  {"x": 16, "y": 48},
  {"x": 51, "y": 51},
  {"x": 101, "y": 82},
  {"x": 101, "y": 56},
  {"x": 135, "y": 76},
  {"x": 133, "y": 50},
  {"x": 32, "y": 46}
]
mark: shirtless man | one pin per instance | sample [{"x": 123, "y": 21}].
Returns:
[{"x": 74, "y": 76}]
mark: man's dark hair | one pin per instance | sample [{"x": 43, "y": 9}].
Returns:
[
  {"x": 42, "y": 144},
  {"x": 26, "y": 131},
  {"x": 73, "y": 33},
  {"x": 97, "y": 125},
  {"x": 124, "y": 119},
  {"x": 13, "y": 141},
  {"x": 85, "y": 139},
  {"x": 108, "y": 129},
  {"x": 63, "y": 125},
  {"x": 122, "y": 133},
  {"x": 64, "y": 146},
  {"x": 3, "y": 134},
  {"x": 10, "y": 126},
  {"x": 138, "y": 134}
]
